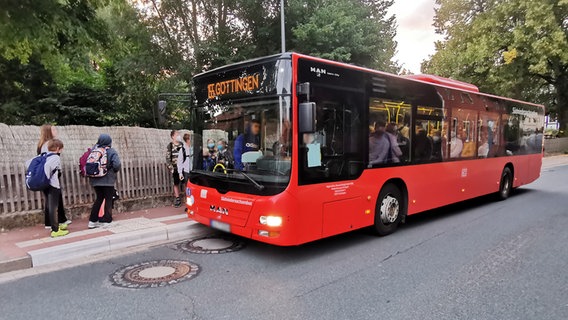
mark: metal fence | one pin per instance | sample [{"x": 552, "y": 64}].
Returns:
[{"x": 142, "y": 152}]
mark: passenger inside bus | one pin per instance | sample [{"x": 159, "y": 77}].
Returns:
[
  {"x": 436, "y": 141},
  {"x": 444, "y": 140},
  {"x": 422, "y": 145},
  {"x": 379, "y": 144},
  {"x": 469, "y": 141},
  {"x": 209, "y": 155},
  {"x": 392, "y": 133},
  {"x": 404, "y": 129},
  {"x": 483, "y": 150},
  {"x": 224, "y": 154},
  {"x": 456, "y": 144}
]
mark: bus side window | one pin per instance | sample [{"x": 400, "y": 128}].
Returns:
[
  {"x": 392, "y": 117},
  {"x": 428, "y": 134},
  {"x": 456, "y": 143}
]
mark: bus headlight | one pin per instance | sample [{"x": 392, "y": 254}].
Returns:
[
  {"x": 271, "y": 221},
  {"x": 190, "y": 200}
]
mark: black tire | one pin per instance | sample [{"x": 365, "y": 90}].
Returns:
[
  {"x": 506, "y": 184},
  {"x": 389, "y": 211}
]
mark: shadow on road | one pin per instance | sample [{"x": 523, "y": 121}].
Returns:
[
  {"x": 431, "y": 216},
  {"x": 357, "y": 238}
]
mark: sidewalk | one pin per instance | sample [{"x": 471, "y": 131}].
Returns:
[
  {"x": 31, "y": 247},
  {"x": 554, "y": 161}
]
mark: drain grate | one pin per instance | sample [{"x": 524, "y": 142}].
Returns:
[
  {"x": 212, "y": 244},
  {"x": 154, "y": 274}
]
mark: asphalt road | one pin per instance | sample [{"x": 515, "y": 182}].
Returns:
[{"x": 476, "y": 260}]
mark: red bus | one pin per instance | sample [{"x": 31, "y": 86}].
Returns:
[{"x": 310, "y": 148}]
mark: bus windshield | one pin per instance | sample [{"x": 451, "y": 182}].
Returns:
[{"x": 244, "y": 146}]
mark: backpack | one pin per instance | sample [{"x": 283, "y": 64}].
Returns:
[
  {"x": 36, "y": 179},
  {"x": 83, "y": 162},
  {"x": 97, "y": 160}
]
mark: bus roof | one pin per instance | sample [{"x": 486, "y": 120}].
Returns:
[
  {"x": 434, "y": 80},
  {"x": 237, "y": 65},
  {"x": 351, "y": 66},
  {"x": 444, "y": 81}
]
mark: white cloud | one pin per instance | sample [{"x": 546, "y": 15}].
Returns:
[{"x": 415, "y": 33}]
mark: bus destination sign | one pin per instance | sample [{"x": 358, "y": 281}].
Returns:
[{"x": 237, "y": 85}]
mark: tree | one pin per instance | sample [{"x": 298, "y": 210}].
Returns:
[
  {"x": 102, "y": 62},
  {"x": 60, "y": 64},
  {"x": 346, "y": 30},
  {"x": 212, "y": 33},
  {"x": 515, "y": 48}
]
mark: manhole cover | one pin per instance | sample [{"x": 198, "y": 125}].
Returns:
[
  {"x": 212, "y": 244},
  {"x": 154, "y": 274}
]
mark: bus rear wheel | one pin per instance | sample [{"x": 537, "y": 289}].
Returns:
[
  {"x": 389, "y": 210},
  {"x": 506, "y": 184}
]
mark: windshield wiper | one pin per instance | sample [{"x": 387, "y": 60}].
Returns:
[
  {"x": 256, "y": 184},
  {"x": 212, "y": 174}
]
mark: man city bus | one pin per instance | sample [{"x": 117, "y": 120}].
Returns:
[{"x": 337, "y": 147}]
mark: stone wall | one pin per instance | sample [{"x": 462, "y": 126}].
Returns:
[{"x": 556, "y": 145}]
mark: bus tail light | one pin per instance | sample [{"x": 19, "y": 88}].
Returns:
[{"x": 271, "y": 221}]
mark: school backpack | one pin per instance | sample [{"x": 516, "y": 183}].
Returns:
[
  {"x": 96, "y": 165},
  {"x": 83, "y": 162},
  {"x": 36, "y": 179}
]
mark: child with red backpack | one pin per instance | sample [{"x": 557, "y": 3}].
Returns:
[{"x": 101, "y": 167}]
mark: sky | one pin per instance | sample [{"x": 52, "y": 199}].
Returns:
[{"x": 415, "y": 33}]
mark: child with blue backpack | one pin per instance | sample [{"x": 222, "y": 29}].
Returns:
[
  {"x": 47, "y": 133},
  {"x": 53, "y": 191}
]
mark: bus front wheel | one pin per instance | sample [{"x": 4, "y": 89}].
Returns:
[
  {"x": 390, "y": 210},
  {"x": 506, "y": 184}
]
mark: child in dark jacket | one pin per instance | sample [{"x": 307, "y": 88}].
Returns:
[{"x": 104, "y": 186}]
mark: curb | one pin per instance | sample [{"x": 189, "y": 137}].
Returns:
[
  {"x": 15, "y": 264},
  {"x": 80, "y": 249}
]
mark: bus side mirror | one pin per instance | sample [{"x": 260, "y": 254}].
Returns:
[{"x": 307, "y": 117}]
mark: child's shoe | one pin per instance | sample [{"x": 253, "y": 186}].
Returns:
[
  {"x": 177, "y": 202},
  {"x": 59, "y": 233}
]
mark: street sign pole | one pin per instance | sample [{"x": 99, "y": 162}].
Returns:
[{"x": 282, "y": 30}]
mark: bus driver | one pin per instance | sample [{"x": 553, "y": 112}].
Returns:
[{"x": 246, "y": 142}]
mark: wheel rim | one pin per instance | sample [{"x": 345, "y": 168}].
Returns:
[
  {"x": 390, "y": 209},
  {"x": 506, "y": 185}
]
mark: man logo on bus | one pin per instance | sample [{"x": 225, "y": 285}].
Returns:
[
  {"x": 318, "y": 71},
  {"x": 223, "y": 211}
]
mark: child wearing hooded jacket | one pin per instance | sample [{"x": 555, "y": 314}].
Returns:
[{"x": 104, "y": 186}]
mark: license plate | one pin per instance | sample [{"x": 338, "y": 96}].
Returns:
[{"x": 220, "y": 226}]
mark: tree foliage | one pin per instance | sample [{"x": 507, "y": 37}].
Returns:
[
  {"x": 104, "y": 62},
  {"x": 346, "y": 30},
  {"x": 515, "y": 48}
]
